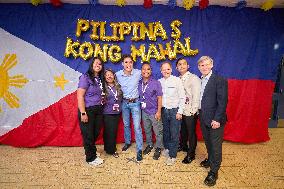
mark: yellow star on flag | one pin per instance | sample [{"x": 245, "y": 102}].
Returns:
[{"x": 60, "y": 81}]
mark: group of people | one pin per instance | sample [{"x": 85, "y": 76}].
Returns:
[{"x": 170, "y": 106}]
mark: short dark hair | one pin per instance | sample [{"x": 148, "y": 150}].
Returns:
[
  {"x": 126, "y": 56},
  {"x": 182, "y": 58},
  {"x": 146, "y": 63}
]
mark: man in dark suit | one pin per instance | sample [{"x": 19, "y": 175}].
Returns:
[{"x": 212, "y": 115}]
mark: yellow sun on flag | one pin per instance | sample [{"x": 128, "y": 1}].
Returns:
[
  {"x": 60, "y": 81},
  {"x": 10, "y": 60}
]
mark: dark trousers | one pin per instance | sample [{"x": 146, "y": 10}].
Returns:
[
  {"x": 188, "y": 127},
  {"x": 171, "y": 130},
  {"x": 213, "y": 140},
  {"x": 91, "y": 130},
  {"x": 110, "y": 132}
]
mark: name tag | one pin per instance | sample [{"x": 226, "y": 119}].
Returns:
[
  {"x": 115, "y": 107},
  {"x": 143, "y": 105}
]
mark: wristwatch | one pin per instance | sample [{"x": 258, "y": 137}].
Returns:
[{"x": 83, "y": 113}]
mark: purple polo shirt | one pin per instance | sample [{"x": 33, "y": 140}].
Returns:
[
  {"x": 152, "y": 91},
  {"x": 93, "y": 95},
  {"x": 110, "y": 101}
]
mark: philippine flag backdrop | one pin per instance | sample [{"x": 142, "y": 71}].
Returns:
[{"x": 38, "y": 104}]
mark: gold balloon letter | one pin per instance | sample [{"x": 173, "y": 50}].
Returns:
[
  {"x": 114, "y": 36},
  {"x": 114, "y": 56},
  {"x": 82, "y": 25},
  {"x": 103, "y": 36},
  {"x": 90, "y": 50},
  {"x": 94, "y": 35},
  {"x": 138, "y": 52},
  {"x": 70, "y": 48},
  {"x": 135, "y": 27},
  {"x": 156, "y": 54},
  {"x": 125, "y": 29},
  {"x": 176, "y": 32},
  {"x": 189, "y": 52},
  {"x": 179, "y": 48},
  {"x": 149, "y": 32},
  {"x": 160, "y": 31}
]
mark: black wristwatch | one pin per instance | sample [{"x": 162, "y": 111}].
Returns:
[{"x": 83, "y": 113}]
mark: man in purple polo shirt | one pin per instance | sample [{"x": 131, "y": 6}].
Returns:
[{"x": 150, "y": 92}]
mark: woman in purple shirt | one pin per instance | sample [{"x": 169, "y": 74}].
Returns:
[
  {"x": 90, "y": 95},
  {"x": 112, "y": 109}
]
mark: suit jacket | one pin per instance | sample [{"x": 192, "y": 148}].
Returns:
[{"x": 214, "y": 100}]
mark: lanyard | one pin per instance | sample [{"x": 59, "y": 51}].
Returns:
[
  {"x": 100, "y": 84},
  {"x": 143, "y": 90},
  {"x": 114, "y": 93}
]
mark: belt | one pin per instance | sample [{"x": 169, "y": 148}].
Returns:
[{"x": 130, "y": 100}]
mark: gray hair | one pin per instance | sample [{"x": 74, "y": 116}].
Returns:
[{"x": 204, "y": 58}]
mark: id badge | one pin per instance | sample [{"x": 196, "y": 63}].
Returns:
[
  {"x": 143, "y": 105},
  {"x": 115, "y": 107},
  {"x": 103, "y": 101}
]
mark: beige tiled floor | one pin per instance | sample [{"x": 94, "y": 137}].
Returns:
[{"x": 244, "y": 166}]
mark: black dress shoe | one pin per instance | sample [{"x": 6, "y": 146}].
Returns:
[
  {"x": 147, "y": 150},
  {"x": 205, "y": 163},
  {"x": 157, "y": 153},
  {"x": 125, "y": 147},
  {"x": 211, "y": 179},
  {"x": 188, "y": 159}
]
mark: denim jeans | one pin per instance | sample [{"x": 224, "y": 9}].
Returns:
[
  {"x": 134, "y": 109},
  {"x": 171, "y": 130}
]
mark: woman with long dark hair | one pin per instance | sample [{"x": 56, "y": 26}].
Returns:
[
  {"x": 112, "y": 109},
  {"x": 90, "y": 96}
]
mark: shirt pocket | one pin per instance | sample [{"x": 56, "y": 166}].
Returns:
[{"x": 172, "y": 91}]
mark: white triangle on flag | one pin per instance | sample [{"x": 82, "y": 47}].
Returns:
[{"x": 40, "y": 70}]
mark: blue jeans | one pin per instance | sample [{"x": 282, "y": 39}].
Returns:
[
  {"x": 171, "y": 130},
  {"x": 135, "y": 110}
]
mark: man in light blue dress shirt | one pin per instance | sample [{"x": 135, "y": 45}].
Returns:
[{"x": 129, "y": 78}]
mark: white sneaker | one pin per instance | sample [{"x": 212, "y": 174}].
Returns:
[
  {"x": 165, "y": 153},
  {"x": 170, "y": 161},
  {"x": 96, "y": 162}
]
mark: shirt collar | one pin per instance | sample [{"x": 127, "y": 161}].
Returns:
[
  {"x": 208, "y": 76},
  {"x": 185, "y": 74},
  {"x": 125, "y": 74},
  {"x": 168, "y": 77},
  {"x": 149, "y": 80}
]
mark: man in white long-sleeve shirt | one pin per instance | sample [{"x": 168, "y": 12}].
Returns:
[{"x": 173, "y": 105}]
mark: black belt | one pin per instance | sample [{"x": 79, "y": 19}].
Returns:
[{"x": 130, "y": 100}]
